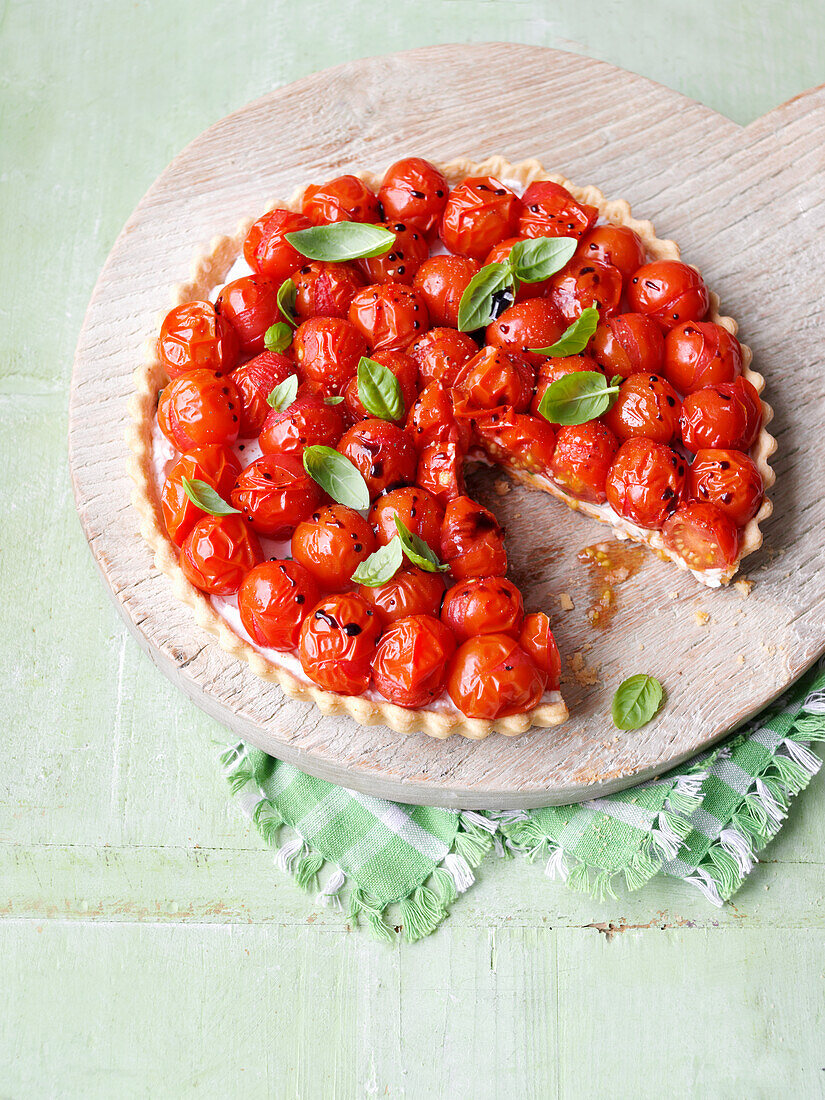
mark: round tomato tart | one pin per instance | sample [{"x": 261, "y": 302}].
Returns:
[{"x": 301, "y": 425}]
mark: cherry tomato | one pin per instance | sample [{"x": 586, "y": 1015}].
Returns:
[
  {"x": 499, "y": 253},
  {"x": 537, "y": 641},
  {"x": 266, "y": 248},
  {"x": 441, "y": 469},
  {"x": 483, "y": 605},
  {"x": 586, "y": 283},
  {"x": 549, "y": 210},
  {"x": 337, "y": 644},
  {"x": 325, "y": 290},
  {"x": 618, "y": 245},
  {"x": 405, "y": 370},
  {"x": 441, "y": 353},
  {"x": 332, "y": 543},
  {"x": 495, "y": 377},
  {"x": 417, "y": 509},
  {"x": 389, "y": 316},
  {"x": 275, "y": 493},
  {"x": 199, "y": 407},
  {"x": 410, "y": 664},
  {"x": 401, "y": 262},
  {"x": 491, "y": 677},
  {"x": 699, "y": 354},
  {"x": 214, "y": 464},
  {"x": 255, "y": 381},
  {"x": 432, "y": 419},
  {"x": 274, "y": 599},
  {"x": 584, "y": 453},
  {"x": 645, "y": 482},
  {"x": 218, "y": 553},
  {"x": 250, "y": 305},
  {"x": 383, "y": 453},
  {"x": 730, "y": 480},
  {"x": 519, "y": 440},
  {"x": 536, "y": 323},
  {"x": 412, "y": 591},
  {"x": 441, "y": 281},
  {"x": 479, "y": 213},
  {"x": 414, "y": 191},
  {"x": 344, "y": 199},
  {"x": 307, "y": 422},
  {"x": 702, "y": 536},
  {"x": 646, "y": 405},
  {"x": 472, "y": 543},
  {"x": 669, "y": 291},
  {"x": 328, "y": 350},
  {"x": 552, "y": 369},
  {"x": 728, "y": 414},
  {"x": 629, "y": 343},
  {"x": 193, "y": 336}
]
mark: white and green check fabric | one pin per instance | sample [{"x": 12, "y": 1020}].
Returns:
[{"x": 704, "y": 822}]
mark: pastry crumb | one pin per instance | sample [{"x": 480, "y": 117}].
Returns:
[
  {"x": 565, "y": 603},
  {"x": 702, "y": 617},
  {"x": 641, "y": 646},
  {"x": 501, "y": 487},
  {"x": 673, "y": 595},
  {"x": 586, "y": 675},
  {"x": 743, "y": 586},
  {"x": 740, "y": 660}
]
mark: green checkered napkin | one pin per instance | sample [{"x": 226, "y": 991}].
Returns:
[{"x": 703, "y": 822}]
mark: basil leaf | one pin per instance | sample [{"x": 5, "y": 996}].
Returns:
[
  {"x": 537, "y": 259},
  {"x": 636, "y": 701},
  {"x": 342, "y": 241},
  {"x": 575, "y": 337},
  {"x": 417, "y": 550},
  {"x": 381, "y": 566},
  {"x": 337, "y": 476},
  {"x": 334, "y": 400},
  {"x": 379, "y": 390},
  {"x": 278, "y": 337},
  {"x": 204, "y": 497},
  {"x": 287, "y": 293},
  {"x": 284, "y": 393},
  {"x": 476, "y": 308},
  {"x": 576, "y": 398}
]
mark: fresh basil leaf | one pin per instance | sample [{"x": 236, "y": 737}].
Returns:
[
  {"x": 381, "y": 566},
  {"x": 342, "y": 241},
  {"x": 334, "y": 400},
  {"x": 477, "y": 307},
  {"x": 575, "y": 337},
  {"x": 204, "y": 497},
  {"x": 417, "y": 550},
  {"x": 287, "y": 293},
  {"x": 636, "y": 701},
  {"x": 576, "y": 398},
  {"x": 379, "y": 390},
  {"x": 337, "y": 476},
  {"x": 278, "y": 337},
  {"x": 284, "y": 393},
  {"x": 537, "y": 259}
]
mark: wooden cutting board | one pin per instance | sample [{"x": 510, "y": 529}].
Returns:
[{"x": 746, "y": 205}]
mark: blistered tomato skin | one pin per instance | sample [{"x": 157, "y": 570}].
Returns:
[
  {"x": 472, "y": 543},
  {"x": 618, "y": 245},
  {"x": 432, "y": 419},
  {"x": 440, "y": 469},
  {"x": 628, "y": 343},
  {"x": 266, "y": 248},
  {"x": 344, "y": 199},
  {"x": 405, "y": 370},
  {"x": 327, "y": 351},
  {"x": 645, "y": 482},
  {"x": 412, "y": 591},
  {"x": 699, "y": 354},
  {"x": 536, "y": 323},
  {"x": 552, "y": 369},
  {"x": 495, "y": 377},
  {"x": 337, "y": 644},
  {"x": 537, "y": 640},
  {"x": 409, "y": 667},
  {"x": 702, "y": 536},
  {"x": 492, "y": 677},
  {"x": 331, "y": 543},
  {"x": 647, "y": 405},
  {"x": 517, "y": 440},
  {"x": 415, "y": 192},
  {"x": 730, "y": 480},
  {"x": 586, "y": 284},
  {"x": 727, "y": 415},
  {"x": 549, "y": 210},
  {"x": 400, "y": 263},
  {"x": 383, "y": 454},
  {"x": 669, "y": 291},
  {"x": 250, "y": 305},
  {"x": 193, "y": 336},
  {"x": 199, "y": 407},
  {"x": 307, "y": 422},
  {"x": 480, "y": 213},
  {"x": 441, "y": 353},
  {"x": 583, "y": 456},
  {"x": 441, "y": 281},
  {"x": 275, "y": 493},
  {"x": 255, "y": 381},
  {"x": 214, "y": 464},
  {"x": 274, "y": 599},
  {"x": 483, "y": 605},
  {"x": 218, "y": 553},
  {"x": 390, "y": 316},
  {"x": 325, "y": 290},
  {"x": 417, "y": 509}
]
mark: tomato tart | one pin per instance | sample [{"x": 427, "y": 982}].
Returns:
[{"x": 303, "y": 421}]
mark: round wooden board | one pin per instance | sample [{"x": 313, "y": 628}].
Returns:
[{"x": 746, "y": 205}]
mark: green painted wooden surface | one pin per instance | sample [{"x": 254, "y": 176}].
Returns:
[{"x": 147, "y": 945}]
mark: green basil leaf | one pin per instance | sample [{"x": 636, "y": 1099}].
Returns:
[
  {"x": 334, "y": 400},
  {"x": 475, "y": 310},
  {"x": 284, "y": 393},
  {"x": 576, "y": 398},
  {"x": 417, "y": 550},
  {"x": 337, "y": 476},
  {"x": 287, "y": 293},
  {"x": 575, "y": 337},
  {"x": 204, "y": 497},
  {"x": 278, "y": 337},
  {"x": 379, "y": 390},
  {"x": 636, "y": 701},
  {"x": 537, "y": 259},
  {"x": 342, "y": 241},
  {"x": 381, "y": 566}
]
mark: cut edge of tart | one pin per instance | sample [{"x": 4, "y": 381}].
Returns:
[{"x": 209, "y": 270}]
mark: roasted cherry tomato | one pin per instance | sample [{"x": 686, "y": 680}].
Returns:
[
  {"x": 274, "y": 599},
  {"x": 250, "y": 305},
  {"x": 483, "y": 605},
  {"x": 307, "y": 422},
  {"x": 537, "y": 640},
  {"x": 214, "y": 464},
  {"x": 536, "y": 323},
  {"x": 432, "y": 419},
  {"x": 344, "y": 199},
  {"x": 417, "y": 509},
  {"x": 255, "y": 381},
  {"x": 472, "y": 543},
  {"x": 491, "y": 677},
  {"x": 699, "y": 354},
  {"x": 584, "y": 453},
  {"x": 645, "y": 482},
  {"x": 495, "y": 377},
  {"x": 585, "y": 284},
  {"x": 479, "y": 213},
  {"x": 389, "y": 316},
  {"x": 441, "y": 281},
  {"x": 669, "y": 291},
  {"x": 499, "y": 254},
  {"x": 266, "y": 248},
  {"x": 199, "y": 407},
  {"x": 218, "y": 553},
  {"x": 441, "y": 469},
  {"x": 730, "y": 480},
  {"x": 193, "y": 336},
  {"x": 441, "y": 353},
  {"x": 646, "y": 405},
  {"x": 549, "y": 210},
  {"x": 629, "y": 343},
  {"x": 328, "y": 350},
  {"x": 412, "y": 591},
  {"x": 337, "y": 644},
  {"x": 275, "y": 493},
  {"x": 401, "y": 262},
  {"x": 415, "y": 192},
  {"x": 618, "y": 245},
  {"x": 405, "y": 370},
  {"x": 726, "y": 415},
  {"x": 383, "y": 453},
  {"x": 410, "y": 664},
  {"x": 552, "y": 369},
  {"x": 332, "y": 543},
  {"x": 325, "y": 290},
  {"x": 518, "y": 440},
  {"x": 702, "y": 536}
]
